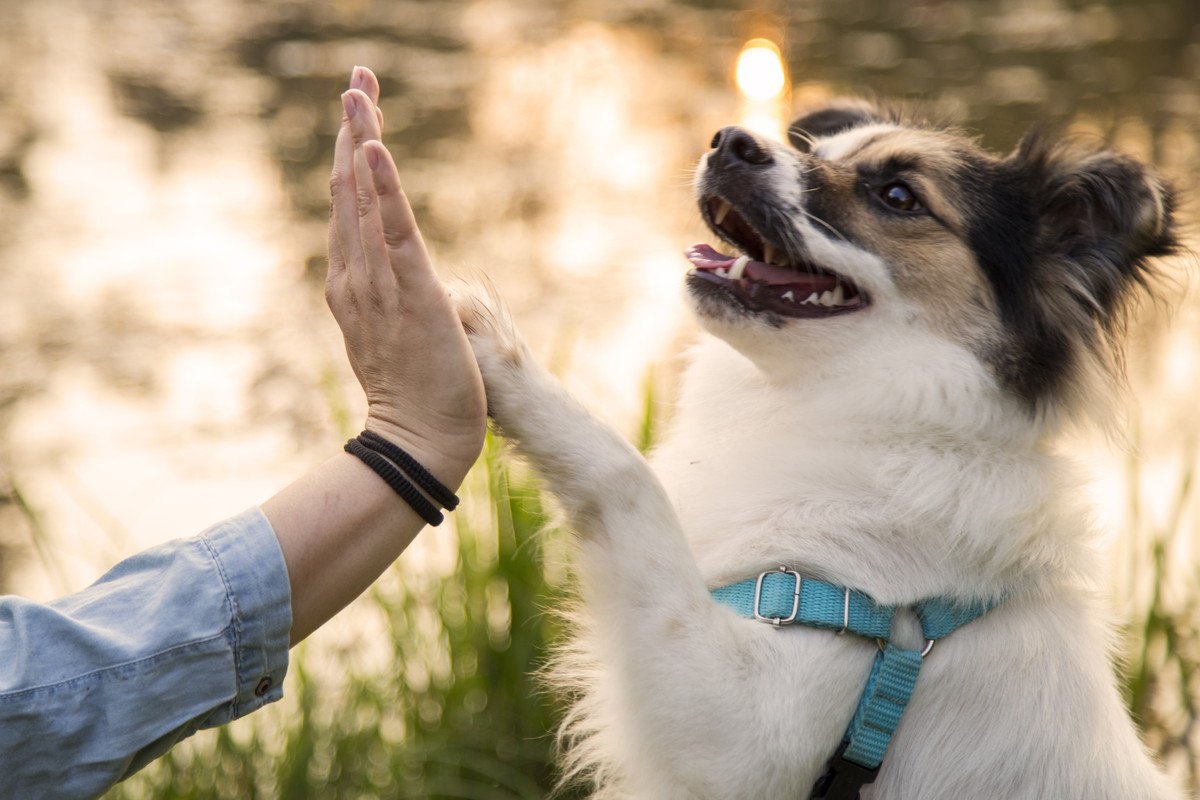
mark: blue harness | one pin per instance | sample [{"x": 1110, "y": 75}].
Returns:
[{"x": 783, "y": 597}]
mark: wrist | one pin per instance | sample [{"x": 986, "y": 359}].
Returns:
[{"x": 447, "y": 458}]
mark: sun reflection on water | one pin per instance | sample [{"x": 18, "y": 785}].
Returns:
[
  {"x": 760, "y": 73},
  {"x": 763, "y": 84}
]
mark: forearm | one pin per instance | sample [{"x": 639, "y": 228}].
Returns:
[
  {"x": 339, "y": 527},
  {"x": 189, "y": 634}
]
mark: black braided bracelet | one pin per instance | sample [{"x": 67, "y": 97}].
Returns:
[
  {"x": 431, "y": 485},
  {"x": 386, "y": 470}
]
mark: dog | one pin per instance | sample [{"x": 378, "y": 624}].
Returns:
[{"x": 873, "y": 403}]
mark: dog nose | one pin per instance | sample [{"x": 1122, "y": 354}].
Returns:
[{"x": 732, "y": 144}]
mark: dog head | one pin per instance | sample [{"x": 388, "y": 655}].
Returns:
[{"x": 871, "y": 231}]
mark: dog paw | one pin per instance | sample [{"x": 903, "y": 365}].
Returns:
[
  {"x": 488, "y": 324},
  {"x": 504, "y": 358}
]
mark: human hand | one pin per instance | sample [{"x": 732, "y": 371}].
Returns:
[{"x": 403, "y": 337}]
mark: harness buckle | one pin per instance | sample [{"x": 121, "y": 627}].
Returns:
[
  {"x": 758, "y": 587},
  {"x": 842, "y": 778}
]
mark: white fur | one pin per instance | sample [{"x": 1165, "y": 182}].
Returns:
[
  {"x": 837, "y": 147},
  {"x": 864, "y": 450}
]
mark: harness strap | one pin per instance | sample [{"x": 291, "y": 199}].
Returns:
[
  {"x": 784, "y": 597},
  {"x": 822, "y": 605},
  {"x": 940, "y": 618},
  {"x": 889, "y": 688}
]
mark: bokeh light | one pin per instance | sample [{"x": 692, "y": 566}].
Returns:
[
  {"x": 760, "y": 73},
  {"x": 763, "y": 88}
]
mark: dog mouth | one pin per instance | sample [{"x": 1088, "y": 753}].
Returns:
[{"x": 765, "y": 277}]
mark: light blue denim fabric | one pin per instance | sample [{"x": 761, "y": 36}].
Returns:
[{"x": 187, "y": 635}]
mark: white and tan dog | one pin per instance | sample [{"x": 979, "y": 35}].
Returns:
[{"x": 873, "y": 406}]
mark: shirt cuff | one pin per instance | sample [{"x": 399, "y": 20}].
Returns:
[{"x": 251, "y": 564}]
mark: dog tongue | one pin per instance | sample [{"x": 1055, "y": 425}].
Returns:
[{"x": 704, "y": 257}]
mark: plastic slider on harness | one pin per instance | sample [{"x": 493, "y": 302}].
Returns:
[
  {"x": 758, "y": 591},
  {"x": 843, "y": 779}
]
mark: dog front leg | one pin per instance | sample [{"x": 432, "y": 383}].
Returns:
[
  {"x": 675, "y": 700},
  {"x": 612, "y": 499}
]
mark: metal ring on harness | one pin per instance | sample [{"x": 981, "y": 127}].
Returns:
[{"x": 929, "y": 643}]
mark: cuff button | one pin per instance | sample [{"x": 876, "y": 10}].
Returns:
[{"x": 263, "y": 686}]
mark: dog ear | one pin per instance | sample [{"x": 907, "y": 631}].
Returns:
[
  {"x": 840, "y": 115},
  {"x": 1101, "y": 214}
]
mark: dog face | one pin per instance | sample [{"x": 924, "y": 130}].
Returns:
[{"x": 871, "y": 226}]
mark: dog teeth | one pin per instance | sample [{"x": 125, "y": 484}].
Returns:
[
  {"x": 812, "y": 299},
  {"x": 721, "y": 212},
  {"x": 826, "y": 298},
  {"x": 791, "y": 298},
  {"x": 739, "y": 267},
  {"x": 839, "y": 295},
  {"x": 722, "y": 272}
]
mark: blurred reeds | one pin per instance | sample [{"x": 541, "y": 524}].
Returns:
[
  {"x": 451, "y": 707},
  {"x": 453, "y": 712},
  {"x": 1160, "y": 676}
]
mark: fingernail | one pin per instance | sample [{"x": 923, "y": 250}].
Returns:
[
  {"x": 372, "y": 157},
  {"x": 357, "y": 77},
  {"x": 349, "y": 104}
]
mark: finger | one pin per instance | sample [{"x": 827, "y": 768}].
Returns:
[
  {"x": 364, "y": 80},
  {"x": 406, "y": 251},
  {"x": 365, "y": 124},
  {"x": 338, "y": 294},
  {"x": 370, "y": 226},
  {"x": 343, "y": 190},
  {"x": 335, "y": 261},
  {"x": 333, "y": 249}
]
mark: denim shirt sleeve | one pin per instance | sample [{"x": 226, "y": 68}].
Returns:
[{"x": 187, "y": 635}]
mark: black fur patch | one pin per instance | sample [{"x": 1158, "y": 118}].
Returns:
[
  {"x": 1001, "y": 231},
  {"x": 1064, "y": 239},
  {"x": 821, "y": 207},
  {"x": 828, "y": 122}
]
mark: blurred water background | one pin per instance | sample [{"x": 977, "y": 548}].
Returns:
[{"x": 166, "y": 358}]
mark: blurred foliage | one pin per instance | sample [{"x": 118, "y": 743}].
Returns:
[
  {"x": 461, "y": 715},
  {"x": 1161, "y": 675}
]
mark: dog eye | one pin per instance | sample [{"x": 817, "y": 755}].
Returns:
[{"x": 899, "y": 196}]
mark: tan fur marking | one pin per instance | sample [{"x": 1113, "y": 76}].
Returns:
[
  {"x": 1159, "y": 205},
  {"x": 930, "y": 262},
  {"x": 939, "y": 159}
]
